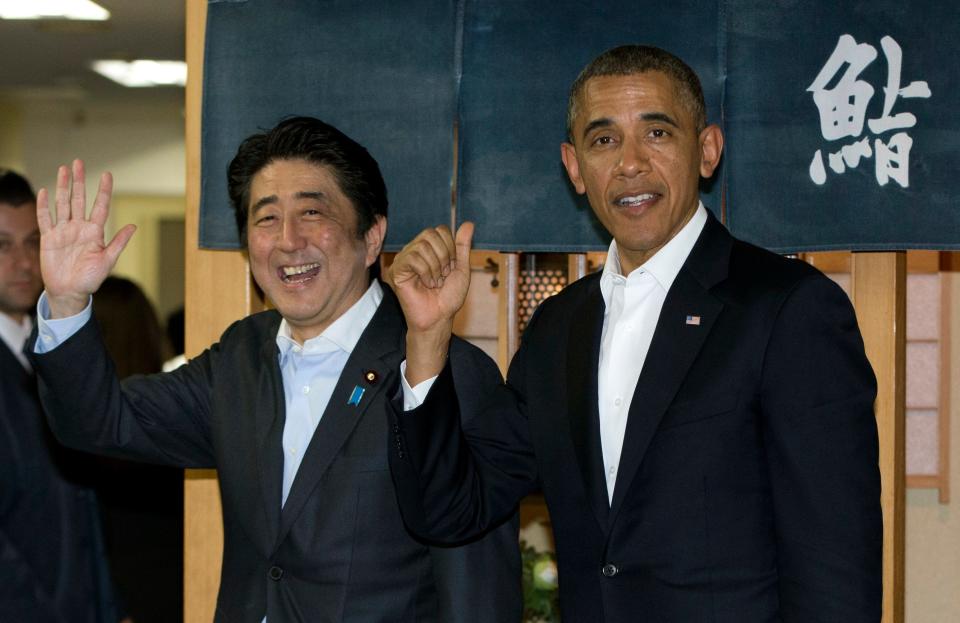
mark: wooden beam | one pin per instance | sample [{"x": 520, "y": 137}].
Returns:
[
  {"x": 218, "y": 291},
  {"x": 879, "y": 292}
]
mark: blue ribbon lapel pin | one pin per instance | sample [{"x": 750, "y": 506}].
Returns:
[{"x": 356, "y": 395}]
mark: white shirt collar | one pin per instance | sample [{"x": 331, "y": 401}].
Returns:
[
  {"x": 14, "y": 334},
  {"x": 665, "y": 264},
  {"x": 342, "y": 334}
]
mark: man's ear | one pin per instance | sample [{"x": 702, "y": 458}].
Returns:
[
  {"x": 711, "y": 147},
  {"x": 568, "y": 153},
  {"x": 375, "y": 237}
]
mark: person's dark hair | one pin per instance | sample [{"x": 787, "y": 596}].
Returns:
[
  {"x": 627, "y": 60},
  {"x": 15, "y": 190},
  {"x": 176, "y": 323},
  {"x": 306, "y": 138},
  {"x": 131, "y": 331}
]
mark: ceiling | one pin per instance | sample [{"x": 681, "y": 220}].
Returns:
[{"x": 51, "y": 59}]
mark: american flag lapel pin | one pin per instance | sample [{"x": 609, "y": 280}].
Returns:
[{"x": 693, "y": 320}]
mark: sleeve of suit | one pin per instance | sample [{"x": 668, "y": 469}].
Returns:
[
  {"x": 161, "y": 418},
  {"x": 458, "y": 477},
  {"x": 817, "y": 397}
]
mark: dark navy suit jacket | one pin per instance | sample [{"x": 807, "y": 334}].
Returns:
[{"x": 748, "y": 490}]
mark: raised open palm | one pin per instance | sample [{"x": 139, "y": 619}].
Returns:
[{"x": 74, "y": 260}]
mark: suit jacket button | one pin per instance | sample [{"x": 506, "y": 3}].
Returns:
[
  {"x": 610, "y": 570},
  {"x": 275, "y": 573}
]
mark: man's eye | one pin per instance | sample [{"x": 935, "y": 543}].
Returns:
[
  {"x": 603, "y": 140},
  {"x": 4, "y": 245},
  {"x": 658, "y": 133},
  {"x": 264, "y": 220}
]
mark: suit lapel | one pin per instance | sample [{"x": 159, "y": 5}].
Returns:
[
  {"x": 583, "y": 351},
  {"x": 13, "y": 370},
  {"x": 378, "y": 351},
  {"x": 675, "y": 346},
  {"x": 270, "y": 414}
]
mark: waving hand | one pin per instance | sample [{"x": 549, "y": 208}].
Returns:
[{"x": 74, "y": 260}]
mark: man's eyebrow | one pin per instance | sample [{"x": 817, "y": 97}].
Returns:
[
  {"x": 659, "y": 116},
  {"x": 263, "y": 201},
  {"x": 272, "y": 199},
  {"x": 311, "y": 194},
  {"x": 602, "y": 122}
]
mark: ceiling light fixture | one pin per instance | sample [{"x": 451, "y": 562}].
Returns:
[
  {"x": 143, "y": 73},
  {"x": 53, "y": 9}
]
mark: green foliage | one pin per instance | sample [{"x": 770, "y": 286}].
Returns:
[{"x": 541, "y": 602}]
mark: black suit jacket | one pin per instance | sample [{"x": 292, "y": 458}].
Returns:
[
  {"x": 338, "y": 549},
  {"x": 52, "y": 564},
  {"x": 748, "y": 488}
]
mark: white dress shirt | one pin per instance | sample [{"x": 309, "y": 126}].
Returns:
[
  {"x": 14, "y": 334},
  {"x": 632, "y": 309},
  {"x": 310, "y": 373}
]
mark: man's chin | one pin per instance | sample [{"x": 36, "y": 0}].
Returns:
[
  {"x": 299, "y": 312},
  {"x": 19, "y": 305}
]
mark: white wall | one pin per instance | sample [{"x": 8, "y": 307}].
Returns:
[{"x": 143, "y": 146}]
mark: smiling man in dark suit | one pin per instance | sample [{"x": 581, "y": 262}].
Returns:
[
  {"x": 699, "y": 416},
  {"x": 289, "y": 406}
]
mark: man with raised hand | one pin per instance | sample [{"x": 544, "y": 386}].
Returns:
[
  {"x": 289, "y": 406},
  {"x": 699, "y": 415}
]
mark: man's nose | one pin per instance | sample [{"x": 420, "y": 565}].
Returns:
[
  {"x": 291, "y": 238},
  {"x": 634, "y": 159},
  {"x": 26, "y": 257}
]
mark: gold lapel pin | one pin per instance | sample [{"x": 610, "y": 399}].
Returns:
[{"x": 370, "y": 376}]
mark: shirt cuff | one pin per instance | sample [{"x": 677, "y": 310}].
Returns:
[
  {"x": 413, "y": 397},
  {"x": 52, "y": 333}
]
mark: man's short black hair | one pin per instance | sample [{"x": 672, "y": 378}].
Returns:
[
  {"x": 306, "y": 138},
  {"x": 15, "y": 190},
  {"x": 627, "y": 60}
]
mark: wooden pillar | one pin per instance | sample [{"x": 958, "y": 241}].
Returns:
[
  {"x": 576, "y": 266},
  {"x": 508, "y": 327},
  {"x": 879, "y": 290},
  {"x": 218, "y": 291}
]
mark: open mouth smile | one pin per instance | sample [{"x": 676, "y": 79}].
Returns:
[
  {"x": 298, "y": 274},
  {"x": 635, "y": 201}
]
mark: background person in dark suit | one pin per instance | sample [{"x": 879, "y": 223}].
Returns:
[
  {"x": 699, "y": 415},
  {"x": 289, "y": 406},
  {"x": 53, "y": 568}
]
